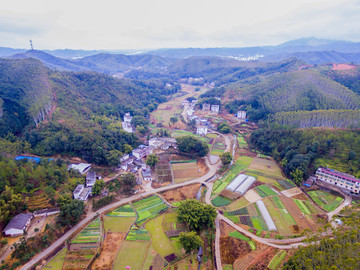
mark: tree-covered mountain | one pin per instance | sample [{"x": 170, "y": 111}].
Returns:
[
  {"x": 103, "y": 62},
  {"x": 73, "y": 113}
]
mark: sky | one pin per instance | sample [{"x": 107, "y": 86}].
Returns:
[{"x": 149, "y": 24}]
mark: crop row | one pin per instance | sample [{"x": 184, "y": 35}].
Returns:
[
  {"x": 265, "y": 191},
  {"x": 239, "y": 212},
  {"x": 220, "y": 201},
  {"x": 302, "y": 206}
]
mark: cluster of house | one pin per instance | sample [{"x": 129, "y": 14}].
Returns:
[
  {"x": 212, "y": 108},
  {"x": 82, "y": 192},
  {"x": 193, "y": 81},
  {"x": 19, "y": 224},
  {"x": 126, "y": 124},
  {"x": 336, "y": 178}
]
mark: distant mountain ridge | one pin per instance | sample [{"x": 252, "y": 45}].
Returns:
[{"x": 103, "y": 62}]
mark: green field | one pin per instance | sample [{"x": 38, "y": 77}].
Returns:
[
  {"x": 57, "y": 262},
  {"x": 327, "y": 201},
  {"x": 149, "y": 208},
  {"x": 241, "y": 141},
  {"x": 118, "y": 224},
  {"x": 239, "y": 203},
  {"x": 275, "y": 262},
  {"x": 265, "y": 191},
  {"x": 131, "y": 253},
  {"x": 137, "y": 234},
  {"x": 123, "y": 211},
  {"x": 160, "y": 242},
  {"x": 91, "y": 234},
  {"x": 220, "y": 201},
  {"x": 282, "y": 219}
]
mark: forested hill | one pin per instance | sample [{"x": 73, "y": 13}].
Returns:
[
  {"x": 73, "y": 113},
  {"x": 301, "y": 90}
]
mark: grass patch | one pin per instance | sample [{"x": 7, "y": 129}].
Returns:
[
  {"x": 57, "y": 262},
  {"x": 118, "y": 224},
  {"x": 160, "y": 242},
  {"x": 239, "y": 235},
  {"x": 132, "y": 253},
  {"x": 239, "y": 203}
]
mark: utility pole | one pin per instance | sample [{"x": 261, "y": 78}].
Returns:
[{"x": 31, "y": 45}]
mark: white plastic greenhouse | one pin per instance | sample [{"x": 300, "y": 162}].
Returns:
[
  {"x": 266, "y": 216},
  {"x": 236, "y": 182},
  {"x": 245, "y": 185}
]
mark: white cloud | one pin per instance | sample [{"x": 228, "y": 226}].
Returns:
[{"x": 126, "y": 24}]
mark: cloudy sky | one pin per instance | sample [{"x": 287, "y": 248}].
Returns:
[{"x": 137, "y": 24}]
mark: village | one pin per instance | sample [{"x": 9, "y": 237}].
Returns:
[{"x": 257, "y": 205}]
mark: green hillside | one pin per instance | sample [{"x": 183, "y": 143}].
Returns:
[{"x": 73, "y": 113}]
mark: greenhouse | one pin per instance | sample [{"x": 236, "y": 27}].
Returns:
[
  {"x": 245, "y": 185},
  {"x": 266, "y": 216},
  {"x": 236, "y": 182}
]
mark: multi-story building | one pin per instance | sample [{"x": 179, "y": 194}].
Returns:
[
  {"x": 241, "y": 114},
  {"x": 141, "y": 152},
  {"x": 206, "y": 107},
  {"x": 215, "y": 108},
  {"x": 340, "y": 179},
  {"x": 126, "y": 125}
]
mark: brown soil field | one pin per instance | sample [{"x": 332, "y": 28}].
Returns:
[
  {"x": 229, "y": 194},
  {"x": 183, "y": 193},
  {"x": 261, "y": 261},
  {"x": 232, "y": 249},
  {"x": 292, "y": 192},
  {"x": 266, "y": 166},
  {"x": 296, "y": 213},
  {"x": 109, "y": 251},
  {"x": 300, "y": 196},
  {"x": 187, "y": 171}
]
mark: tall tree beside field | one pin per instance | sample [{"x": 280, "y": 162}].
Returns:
[
  {"x": 190, "y": 241},
  {"x": 152, "y": 160},
  {"x": 197, "y": 215},
  {"x": 70, "y": 213},
  {"x": 192, "y": 145},
  {"x": 226, "y": 158}
]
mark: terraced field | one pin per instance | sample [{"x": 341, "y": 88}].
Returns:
[
  {"x": 149, "y": 208},
  {"x": 325, "y": 200},
  {"x": 91, "y": 234},
  {"x": 123, "y": 211}
]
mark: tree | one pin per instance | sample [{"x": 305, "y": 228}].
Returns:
[
  {"x": 128, "y": 182},
  {"x": 297, "y": 176},
  {"x": 63, "y": 200},
  {"x": 173, "y": 120},
  {"x": 196, "y": 214},
  {"x": 224, "y": 128},
  {"x": 152, "y": 160},
  {"x": 192, "y": 145},
  {"x": 226, "y": 158},
  {"x": 190, "y": 241},
  {"x": 70, "y": 213},
  {"x": 98, "y": 186}
]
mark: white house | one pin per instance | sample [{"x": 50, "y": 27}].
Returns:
[
  {"x": 90, "y": 179},
  {"x": 206, "y": 107},
  {"x": 46, "y": 212},
  {"x": 215, "y": 108},
  {"x": 81, "y": 167},
  {"x": 146, "y": 173},
  {"x": 201, "y": 130},
  {"x": 18, "y": 224},
  {"x": 81, "y": 192},
  {"x": 126, "y": 125},
  {"x": 241, "y": 114},
  {"x": 141, "y": 151}
]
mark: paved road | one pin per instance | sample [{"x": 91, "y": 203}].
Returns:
[{"x": 217, "y": 245}]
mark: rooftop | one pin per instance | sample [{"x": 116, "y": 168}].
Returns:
[{"x": 19, "y": 221}]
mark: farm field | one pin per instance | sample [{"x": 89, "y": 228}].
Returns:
[
  {"x": 240, "y": 203},
  {"x": 182, "y": 193},
  {"x": 240, "y": 164},
  {"x": 220, "y": 201},
  {"x": 188, "y": 170},
  {"x": 325, "y": 200},
  {"x": 118, "y": 224},
  {"x": 264, "y": 191},
  {"x": 57, "y": 262},
  {"x": 137, "y": 234},
  {"x": 283, "y": 184},
  {"x": 278, "y": 258},
  {"x": 241, "y": 141},
  {"x": 133, "y": 254},
  {"x": 38, "y": 201},
  {"x": 123, "y": 211},
  {"x": 265, "y": 167},
  {"x": 91, "y": 234},
  {"x": 173, "y": 107},
  {"x": 160, "y": 242},
  {"x": 148, "y": 208},
  {"x": 218, "y": 146}
]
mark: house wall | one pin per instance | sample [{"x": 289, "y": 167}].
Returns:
[{"x": 14, "y": 232}]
